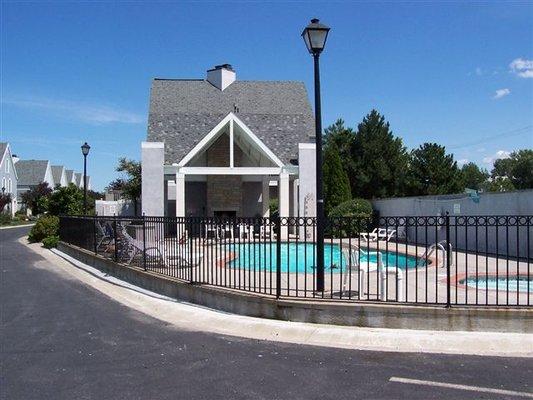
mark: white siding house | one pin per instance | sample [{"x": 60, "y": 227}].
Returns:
[{"x": 8, "y": 176}]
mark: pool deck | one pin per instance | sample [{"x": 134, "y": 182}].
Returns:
[{"x": 419, "y": 284}]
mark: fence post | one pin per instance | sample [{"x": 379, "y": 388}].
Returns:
[
  {"x": 94, "y": 235},
  {"x": 191, "y": 256},
  {"x": 144, "y": 242},
  {"x": 115, "y": 236},
  {"x": 448, "y": 259},
  {"x": 278, "y": 256}
]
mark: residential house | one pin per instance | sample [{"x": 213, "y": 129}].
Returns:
[
  {"x": 70, "y": 177},
  {"x": 216, "y": 147},
  {"x": 88, "y": 182},
  {"x": 59, "y": 174},
  {"x": 8, "y": 176},
  {"x": 31, "y": 173},
  {"x": 78, "y": 178}
]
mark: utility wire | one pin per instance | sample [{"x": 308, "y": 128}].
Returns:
[{"x": 514, "y": 132}]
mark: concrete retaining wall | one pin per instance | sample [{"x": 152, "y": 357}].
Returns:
[{"x": 324, "y": 312}]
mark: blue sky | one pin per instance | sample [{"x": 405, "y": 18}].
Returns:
[{"x": 457, "y": 73}]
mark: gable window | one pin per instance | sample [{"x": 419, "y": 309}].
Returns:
[
  {"x": 10, "y": 186},
  {"x": 7, "y": 166}
]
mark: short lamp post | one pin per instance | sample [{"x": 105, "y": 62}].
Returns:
[
  {"x": 85, "y": 151},
  {"x": 315, "y": 35}
]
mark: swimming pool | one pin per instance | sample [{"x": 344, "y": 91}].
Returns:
[
  {"x": 516, "y": 283},
  {"x": 301, "y": 258}
]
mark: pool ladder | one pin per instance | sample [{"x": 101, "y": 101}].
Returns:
[{"x": 442, "y": 246}]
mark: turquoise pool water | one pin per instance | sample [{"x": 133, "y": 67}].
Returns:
[
  {"x": 519, "y": 283},
  {"x": 299, "y": 257}
]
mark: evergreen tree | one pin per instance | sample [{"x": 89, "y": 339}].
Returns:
[
  {"x": 379, "y": 159},
  {"x": 336, "y": 183},
  {"x": 473, "y": 177},
  {"x": 432, "y": 171},
  {"x": 342, "y": 137}
]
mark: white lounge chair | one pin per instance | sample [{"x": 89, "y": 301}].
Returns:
[
  {"x": 103, "y": 235},
  {"x": 246, "y": 231},
  {"x": 211, "y": 231},
  {"x": 179, "y": 256},
  {"x": 369, "y": 236},
  {"x": 132, "y": 247},
  {"x": 386, "y": 234}
]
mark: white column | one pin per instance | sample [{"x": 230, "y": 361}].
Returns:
[
  {"x": 152, "y": 186},
  {"x": 295, "y": 210},
  {"x": 307, "y": 184},
  {"x": 283, "y": 191},
  {"x": 295, "y": 185},
  {"x": 231, "y": 147},
  {"x": 283, "y": 195},
  {"x": 265, "y": 197},
  {"x": 180, "y": 195}
]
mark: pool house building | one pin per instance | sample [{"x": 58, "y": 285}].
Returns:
[{"x": 220, "y": 147}]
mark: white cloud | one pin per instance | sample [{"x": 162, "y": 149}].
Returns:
[
  {"x": 462, "y": 162},
  {"x": 479, "y": 71},
  {"x": 91, "y": 113},
  {"x": 521, "y": 67},
  {"x": 501, "y": 93},
  {"x": 496, "y": 156}
]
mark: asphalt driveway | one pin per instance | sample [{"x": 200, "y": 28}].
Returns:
[{"x": 61, "y": 339}]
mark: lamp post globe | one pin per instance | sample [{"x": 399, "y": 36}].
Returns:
[
  {"x": 85, "y": 151},
  {"x": 315, "y": 35}
]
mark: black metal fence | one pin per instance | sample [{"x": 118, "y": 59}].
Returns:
[{"x": 448, "y": 260}]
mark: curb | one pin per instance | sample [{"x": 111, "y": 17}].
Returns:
[
  {"x": 16, "y": 226},
  {"x": 191, "y": 317}
]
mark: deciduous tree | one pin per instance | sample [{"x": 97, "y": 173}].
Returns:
[
  {"x": 518, "y": 169},
  {"x": 130, "y": 182},
  {"x": 35, "y": 198}
]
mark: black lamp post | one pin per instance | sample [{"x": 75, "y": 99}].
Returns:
[
  {"x": 315, "y": 35},
  {"x": 85, "y": 151}
]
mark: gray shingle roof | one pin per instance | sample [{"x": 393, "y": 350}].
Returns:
[
  {"x": 3, "y": 147},
  {"x": 182, "y": 112},
  {"x": 31, "y": 172},
  {"x": 57, "y": 173}
]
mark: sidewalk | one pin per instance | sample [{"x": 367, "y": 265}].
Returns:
[{"x": 190, "y": 317}]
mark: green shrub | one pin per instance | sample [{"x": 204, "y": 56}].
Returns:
[
  {"x": 46, "y": 226},
  {"x": 353, "y": 208},
  {"x": 51, "y": 241},
  {"x": 273, "y": 206},
  {"x": 5, "y": 219},
  {"x": 350, "y": 218}
]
